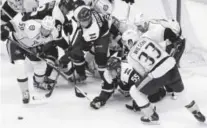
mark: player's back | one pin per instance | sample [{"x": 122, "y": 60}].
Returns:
[
  {"x": 155, "y": 32},
  {"x": 146, "y": 55}
]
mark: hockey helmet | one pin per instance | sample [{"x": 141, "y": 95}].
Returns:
[
  {"x": 175, "y": 27},
  {"x": 48, "y": 22},
  {"x": 83, "y": 15},
  {"x": 66, "y": 6},
  {"x": 141, "y": 22},
  {"x": 140, "y": 19},
  {"x": 47, "y": 25},
  {"x": 113, "y": 63},
  {"x": 130, "y": 37}
]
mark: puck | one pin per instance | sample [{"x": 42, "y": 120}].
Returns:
[{"x": 20, "y": 118}]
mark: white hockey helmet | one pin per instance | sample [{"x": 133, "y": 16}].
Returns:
[
  {"x": 48, "y": 23},
  {"x": 130, "y": 37},
  {"x": 175, "y": 27},
  {"x": 140, "y": 19}
]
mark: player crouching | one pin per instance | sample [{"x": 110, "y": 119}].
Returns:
[
  {"x": 119, "y": 75},
  {"x": 157, "y": 68}
]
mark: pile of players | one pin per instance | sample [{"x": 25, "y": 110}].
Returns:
[{"x": 142, "y": 64}]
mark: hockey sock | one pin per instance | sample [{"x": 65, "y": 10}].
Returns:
[
  {"x": 23, "y": 84},
  {"x": 148, "y": 109},
  {"x": 139, "y": 97},
  {"x": 192, "y": 106},
  {"x": 39, "y": 78}
]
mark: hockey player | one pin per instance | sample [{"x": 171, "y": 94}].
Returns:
[
  {"x": 32, "y": 35},
  {"x": 157, "y": 68},
  {"x": 104, "y": 7},
  {"x": 93, "y": 31},
  {"x": 168, "y": 34},
  {"x": 58, "y": 10},
  {"x": 11, "y": 7},
  {"x": 119, "y": 75}
]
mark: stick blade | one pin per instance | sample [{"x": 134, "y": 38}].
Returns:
[{"x": 79, "y": 94}]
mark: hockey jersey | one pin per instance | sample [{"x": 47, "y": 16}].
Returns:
[
  {"x": 28, "y": 33},
  {"x": 127, "y": 78},
  {"x": 164, "y": 32}
]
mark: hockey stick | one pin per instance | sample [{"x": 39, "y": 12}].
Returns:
[
  {"x": 47, "y": 95},
  {"x": 74, "y": 77},
  {"x": 53, "y": 66},
  {"x": 128, "y": 11},
  {"x": 50, "y": 64},
  {"x": 6, "y": 13}
]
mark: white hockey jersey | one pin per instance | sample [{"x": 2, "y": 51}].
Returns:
[
  {"x": 28, "y": 33},
  {"x": 146, "y": 56},
  {"x": 156, "y": 30}
]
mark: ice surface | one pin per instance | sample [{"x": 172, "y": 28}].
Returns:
[{"x": 64, "y": 109}]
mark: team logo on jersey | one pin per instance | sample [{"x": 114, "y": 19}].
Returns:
[
  {"x": 105, "y": 7},
  {"x": 32, "y": 27}
]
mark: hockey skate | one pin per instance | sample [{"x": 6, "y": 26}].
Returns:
[
  {"x": 49, "y": 82},
  {"x": 26, "y": 97},
  {"x": 151, "y": 119},
  {"x": 193, "y": 108},
  {"x": 43, "y": 85}
]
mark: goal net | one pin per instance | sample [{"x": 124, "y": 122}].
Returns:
[{"x": 193, "y": 19}]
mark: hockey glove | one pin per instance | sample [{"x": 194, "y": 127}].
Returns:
[
  {"x": 129, "y": 1},
  {"x": 97, "y": 103},
  {"x": 38, "y": 51}
]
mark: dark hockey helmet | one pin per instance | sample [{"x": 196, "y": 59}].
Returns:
[
  {"x": 113, "y": 63},
  {"x": 84, "y": 14},
  {"x": 66, "y": 6}
]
